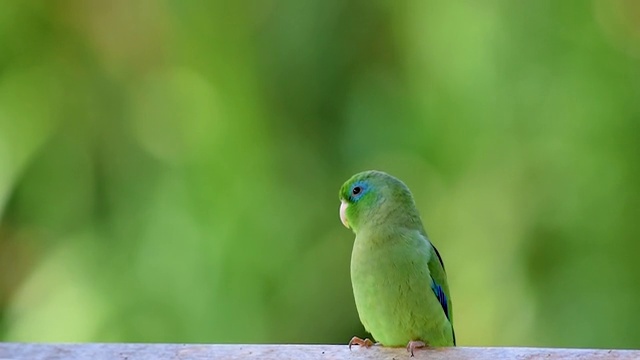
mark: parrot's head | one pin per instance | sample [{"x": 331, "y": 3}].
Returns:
[{"x": 373, "y": 197}]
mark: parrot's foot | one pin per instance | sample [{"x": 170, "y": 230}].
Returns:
[
  {"x": 412, "y": 345},
  {"x": 357, "y": 341}
]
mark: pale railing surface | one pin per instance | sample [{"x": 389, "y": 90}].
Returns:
[{"x": 92, "y": 351}]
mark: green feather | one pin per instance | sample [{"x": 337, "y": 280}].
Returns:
[{"x": 393, "y": 264}]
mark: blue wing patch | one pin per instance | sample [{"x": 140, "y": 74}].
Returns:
[{"x": 442, "y": 297}]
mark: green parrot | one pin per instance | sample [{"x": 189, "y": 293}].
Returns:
[{"x": 398, "y": 277}]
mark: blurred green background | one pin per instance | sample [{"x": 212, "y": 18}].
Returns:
[{"x": 169, "y": 170}]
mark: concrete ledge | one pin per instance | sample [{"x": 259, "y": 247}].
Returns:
[{"x": 97, "y": 351}]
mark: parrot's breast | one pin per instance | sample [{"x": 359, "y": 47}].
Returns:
[{"x": 393, "y": 294}]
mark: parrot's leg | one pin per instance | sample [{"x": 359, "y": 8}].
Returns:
[
  {"x": 357, "y": 341},
  {"x": 415, "y": 344}
]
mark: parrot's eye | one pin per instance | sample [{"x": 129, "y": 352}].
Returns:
[{"x": 356, "y": 190}]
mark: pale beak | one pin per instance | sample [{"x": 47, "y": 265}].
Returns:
[{"x": 343, "y": 213}]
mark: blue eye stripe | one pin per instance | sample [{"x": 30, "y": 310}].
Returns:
[{"x": 357, "y": 190}]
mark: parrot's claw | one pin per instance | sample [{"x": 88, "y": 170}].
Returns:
[
  {"x": 412, "y": 345},
  {"x": 357, "y": 341}
]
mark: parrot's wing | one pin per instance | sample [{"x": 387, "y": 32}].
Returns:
[
  {"x": 439, "y": 283},
  {"x": 442, "y": 297}
]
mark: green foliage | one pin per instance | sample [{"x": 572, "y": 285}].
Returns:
[{"x": 169, "y": 170}]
